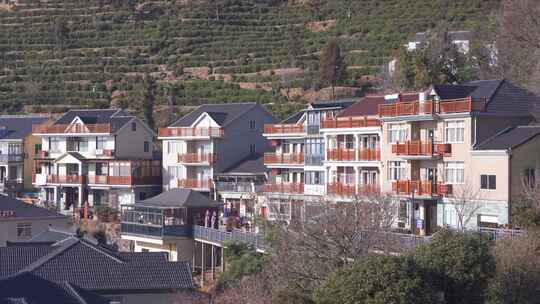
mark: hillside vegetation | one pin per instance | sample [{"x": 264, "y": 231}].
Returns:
[{"x": 70, "y": 53}]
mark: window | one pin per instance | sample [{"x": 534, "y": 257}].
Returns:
[
  {"x": 397, "y": 133},
  {"x": 450, "y": 217},
  {"x": 175, "y": 171},
  {"x": 455, "y": 131},
  {"x": 83, "y": 145},
  {"x": 252, "y": 124},
  {"x": 173, "y": 147},
  {"x": 396, "y": 170},
  {"x": 133, "y": 126},
  {"x": 314, "y": 154},
  {"x": 454, "y": 173},
  {"x": 100, "y": 142},
  {"x": 529, "y": 177},
  {"x": 252, "y": 148},
  {"x": 488, "y": 182},
  {"x": 402, "y": 210},
  {"x": 146, "y": 146},
  {"x": 37, "y": 148},
  {"x": 24, "y": 230},
  {"x": 314, "y": 178},
  {"x": 54, "y": 144}
]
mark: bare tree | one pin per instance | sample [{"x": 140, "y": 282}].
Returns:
[{"x": 465, "y": 201}]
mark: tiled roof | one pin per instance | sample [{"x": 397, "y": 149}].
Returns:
[
  {"x": 19, "y": 126},
  {"x": 94, "y": 268},
  {"x": 24, "y": 210},
  {"x": 510, "y": 138},
  {"x": 366, "y": 106},
  {"x": 29, "y": 288},
  {"x": 116, "y": 117},
  {"x": 253, "y": 164},
  {"x": 50, "y": 235},
  {"x": 221, "y": 113},
  {"x": 179, "y": 197}
]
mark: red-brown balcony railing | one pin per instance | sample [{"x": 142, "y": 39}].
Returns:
[
  {"x": 124, "y": 180},
  {"x": 284, "y": 158},
  {"x": 283, "y": 129},
  {"x": 66, "y": 179},
  {"x": 341, "y": 189},
  {"x": 428, "y": 188},
  {"x": 421, "y": 148},
  {"x": 341, "y": 154},
  {"x": 197, "y": 158},
  {"x": 406, "y": 108},
  {"x": 369, "y": 189},
  {"x": 349, "y": 122},
  {"x": 462, "y": 105},
  {"x": 192, "y": 183},
  {"x": 369, "y": 154},
  {"x": 292, "y": 188},
  {"x": 191, "y": 132},
  {"x": 71, "y": 128}
]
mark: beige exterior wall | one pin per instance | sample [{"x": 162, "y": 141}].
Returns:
[
  {"x": 8, "y": 227},
  {"x": 130, "y": 144},
  {"x": 178, "y": 250},
  {"x": 29, "y": 149}
]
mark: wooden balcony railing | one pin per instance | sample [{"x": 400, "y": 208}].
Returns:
[
  {"x": 66, "y": 179},
  {"x": 421, "y": 148},
  {"x": 124, "y": 180},
  {"x": 284, "y": 129},
  {"x": 286, "y": 158},
  {"x": 428, "y": 188},
  {"x": 292, "y": 188},
  {"x": 369, "y": 154},
  {"x": 447, "y": 106},
  {"x": 197, "y": 158},
  {"x": 341, "y": 155},
  {"x": 191, "y": 132},
  {"x": 368, "y": 189},
  {"x": 192, "y": 183},
  {"x": 352, "y": 190},
  {"x": 349, "y": 122},
  {"x": 72, "y": 128}
]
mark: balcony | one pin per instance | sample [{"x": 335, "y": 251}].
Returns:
[
  {"x": 124, "y": 180},
  {"x": 341, "y": 154},
  {"x": 6, "y": 158},
  {"x": 239, "y": 187},
  {"x": 447, "y": 106},
  {"x": 290, "y": 188},
  {"x": 349, "y": 122},
  {"x": 66, "y": 179},
  {"x": 353, "y": 190},
  {"x": 72, "y": 129},
  {"x": 284, "y": 129},
  {"x": 222, "y": 237},
  {"x": 153, "y": 224},
  {"x": 191, "y": 132},
  {"x": 421, "y": 148},
  {"x": 105, "y": 152},
  {"x": 284, "y": 158},
  {"x": 422, "y": 188},
  {"x": 369, "y": 154},
  {"x": 204, "y": 184},
  {"x": 197, "y": 158}
]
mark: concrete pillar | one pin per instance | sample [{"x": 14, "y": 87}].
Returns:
[
  {"x": 81, "y": 197},
  {"x": 202, "y": 264},
  {"x": 222, "y": 260}
]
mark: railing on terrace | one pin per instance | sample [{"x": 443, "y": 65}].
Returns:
[
  {"x": 42, "y": 154},
  {"x": 71, "y": 128},
  {"x": 105, "y": 152},
  {"x": 284, "y": 158},
  {"x": 293, "y": 188},
  {"x": 66, "y": 179},
  {"x": 369, "y": 154},
  {"x": 197, "y": 158},
  {"x": 5, "y": 158},
  {"x": 391, "y": 239},
  {"x": 124, "y": 180},
  {"x": 151, "y": 224},
  {"x": 341, "y": 154},
  {"x": 406, "y": 187},
  {"x": 221, "y": 237},
  {"x": 350, "y": 189},
  {"x": 448, "y": 106},
  {"x": 497, "y": 233},
  {"x": 284, "y": 129},
  {"x": 191, "y": 132},
  {"x": 195, "y": 183},
  {"x": 242, "y": 187},
  {"x": 421, "y": 148},
  {"x": 349, "y": 122}
]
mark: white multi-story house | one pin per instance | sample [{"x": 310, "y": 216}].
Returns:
[
  {"x": 208, "y": 141},
  {"x": 298, "y": 173},
  {"x": 96, "y": 157}
]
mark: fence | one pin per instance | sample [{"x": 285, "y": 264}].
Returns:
[{"x": 220, "y": 237}]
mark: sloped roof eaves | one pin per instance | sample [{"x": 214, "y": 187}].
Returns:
[
  {"x": 227, "y": 113},
  {"x": 510, "y": 138},
  {"x": 19, "y": 127},
  {"x": 179, "y": 197}
]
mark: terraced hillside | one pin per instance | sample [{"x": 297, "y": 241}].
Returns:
[{"x": 64, "y": 53}]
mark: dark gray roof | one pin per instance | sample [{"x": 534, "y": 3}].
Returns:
[
  {"x": 116, "y": 117},
  {"x": 510, "y": 138},
  {"x": 23, "y": 210},
  {"x": 340, "y": 103},
  {"x": 96, "y": 268},
  {"x": 253, "y": 164},
  {"x": 179, "y": 197},
  {"x": 19, "y": 126},
  {"x": 50, "y": 235},
  {"x": 221, "y": 113},
  {"x": 32, "y": 289}
]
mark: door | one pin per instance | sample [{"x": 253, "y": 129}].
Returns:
[{"x": 432, "y": 178}]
